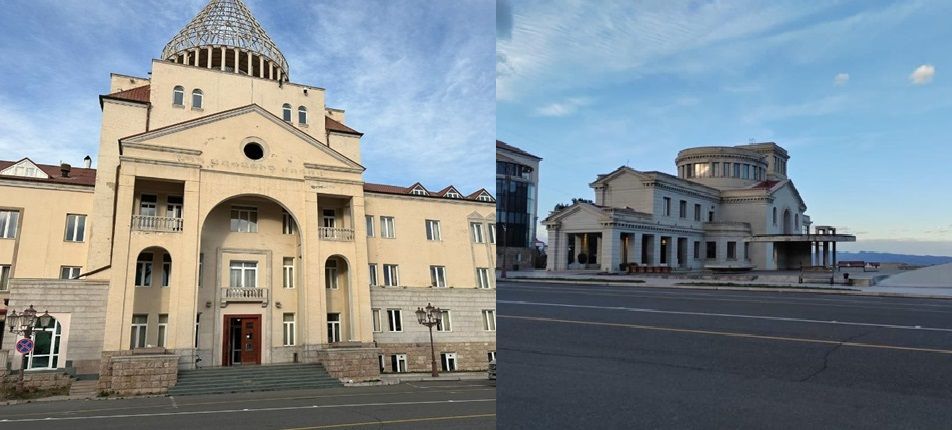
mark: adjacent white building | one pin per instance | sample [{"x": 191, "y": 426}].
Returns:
[{"x": 728, "y": 208}]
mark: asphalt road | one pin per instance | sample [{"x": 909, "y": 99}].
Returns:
[
  {"x": 414, "y": 405},
  {"x": 580, "y": 356}
]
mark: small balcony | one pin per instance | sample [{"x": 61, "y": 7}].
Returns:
[
  {"x": 157, "y": 223},
  {"x": 336, "y": 234},
  {"x": 244, "y": 295}
]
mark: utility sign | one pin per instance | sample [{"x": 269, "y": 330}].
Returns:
[{"x": 24, "y": 346}]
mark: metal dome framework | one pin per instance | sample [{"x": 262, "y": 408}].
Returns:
[{"x": 225, "y": 35}]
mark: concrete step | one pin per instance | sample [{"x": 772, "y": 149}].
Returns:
[
  {"x": 246, "y": 389},
  {"x": 252, "y": 378},
  {"x": 84, "y": 388}
]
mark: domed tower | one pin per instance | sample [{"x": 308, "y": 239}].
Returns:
[
  {"x": 722, "y": 167},
  {"x": 225, "y": 36}
]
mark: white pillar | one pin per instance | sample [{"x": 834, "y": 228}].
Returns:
[
  {"x": 261, "y": 66},
  {"x": 237, "y": 54},
  {"x": 224, "y": 55},
  {"x": 250, "y": 68},
  {"x": 656, "y": 250},
  {"x": 610, "y": 250},
  {"x": 208, "y": 63}
]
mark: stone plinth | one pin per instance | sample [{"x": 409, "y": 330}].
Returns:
[
  {"x": 140, "y": 372},
  {"x": 352, "y": 363}
]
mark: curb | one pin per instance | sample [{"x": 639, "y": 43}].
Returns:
[{"x": 818, "y": 290}]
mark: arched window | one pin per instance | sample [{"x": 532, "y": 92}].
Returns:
[
  {"x": 774, "y": 216},
  {"x": 287, "y": 112},
  {"x": 46, "y": 349},
  {"x": 178, "y": 96},
  {"x": 196, "y": 99},
  {"x": 302, "y": 115}
]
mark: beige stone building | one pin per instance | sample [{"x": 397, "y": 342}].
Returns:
[
  {"x": 228, "y": 222},
  {"x": 728, "y": 208}
]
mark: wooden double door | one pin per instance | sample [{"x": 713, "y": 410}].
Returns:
[{"x": 241, "y": 340}]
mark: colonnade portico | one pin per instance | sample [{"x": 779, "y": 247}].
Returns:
[
  {"x": 617, "y": 246},
  {"x": 824, "y": 257}
]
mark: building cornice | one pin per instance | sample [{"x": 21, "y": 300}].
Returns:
[
  {"x": 129, "y": 159},
  {"x": 159, "y": 148},
  {"x": 47, "y": 185},
  {"x": 428, "y": 199}
]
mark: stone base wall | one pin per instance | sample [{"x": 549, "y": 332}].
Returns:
[
  {"x": 470, "y": 356},
  {"x": 357, "y": 364},
  {"x": 39, "y": 379},
  {"x": 144, "y": 371}
]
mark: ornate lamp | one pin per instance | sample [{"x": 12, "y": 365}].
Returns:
[{"x": 430, "y": 316}]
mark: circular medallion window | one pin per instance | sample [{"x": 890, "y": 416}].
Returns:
[{"x": 254, "y": 151}]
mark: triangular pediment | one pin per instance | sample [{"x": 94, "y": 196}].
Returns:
[
  {"x": 25, "y": 168},
  {"x": 222, "y": 136}
]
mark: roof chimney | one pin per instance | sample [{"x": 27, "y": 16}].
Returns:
[
  {"x": 65, "y": 168},
  {"x": 87, "y": 162}
]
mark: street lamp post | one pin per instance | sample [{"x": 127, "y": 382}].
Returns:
[
  {"x": 23, "y": 325},
  {"x": 430, "y": 316}
]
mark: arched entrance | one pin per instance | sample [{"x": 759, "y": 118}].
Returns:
[
  {"x": 249, "y": 282},
  {"x": 338, "y": 289}
]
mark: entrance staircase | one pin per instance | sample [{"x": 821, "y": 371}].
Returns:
[{"x": 242, "y": 379}]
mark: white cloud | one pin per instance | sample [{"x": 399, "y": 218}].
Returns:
[
  {"x": 841, "y": 79},
  {"x": 563, "y": 108},
  {"x": 922, "y": 75}
]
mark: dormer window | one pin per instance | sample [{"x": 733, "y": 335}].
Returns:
[
  {"x": 453, "y": 195},
  {"x": 302, "y": 115},
  {"x": 196, "y": 99},
  {"x": 484, "y": 197},
  {"x": 418, "y": 191},
  {"x": 286, "y": 111},
  {"x": 25, "y": 168},
  {"x": 178, "y": 96}
]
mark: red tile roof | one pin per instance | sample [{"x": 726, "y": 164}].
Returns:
[
  {"x": 765, "y": 185},
  {"x": 140, "y": 94},
  {"x": 503, "y": 145},
  {"x": 77, "y": 175},
  {"x": 394, "y": 189},
  {"x": 333, "y": 125}
]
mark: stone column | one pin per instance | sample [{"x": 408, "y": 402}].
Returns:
[
  {"x": 816, "y": 253},
  {"x": 208, "y": 63},
  {"x": 224, "y": 56},
  {"x": 555, "y": 250},
  {"x": 834, "y": 254},
  {"x": 826, "y": 253},
  {"x": 610, "y": 250},
  {"x": 656, "y": 250},
  {"x": 635, "y": 251},
  {"x": 237, "y": 53}
]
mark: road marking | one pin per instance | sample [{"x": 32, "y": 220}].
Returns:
[
  {"x": 229, "y": 411},
  {"x": 408, "y": 420},
  {"x": 714, "y": 314},
  {"x": 730, "y": 334},
  {"x": 871, "y": 302}
]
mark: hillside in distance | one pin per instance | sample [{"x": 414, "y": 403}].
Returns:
[{"x": 885, "y": 257}]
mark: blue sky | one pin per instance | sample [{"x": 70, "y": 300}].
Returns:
[
  {"x": 859, "y": 93},
  {"x": 415, "y": 76}
]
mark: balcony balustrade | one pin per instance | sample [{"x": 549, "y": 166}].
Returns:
[
  {"x": 336, "y": 234},
  {"x": 157, "y": 223},
  {"x": 244, "y": 295}
]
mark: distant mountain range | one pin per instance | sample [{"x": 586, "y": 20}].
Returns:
[{"x": 885, "y": 257}]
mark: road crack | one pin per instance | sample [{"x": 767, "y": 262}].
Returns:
[{"x": 826, "y": 357}]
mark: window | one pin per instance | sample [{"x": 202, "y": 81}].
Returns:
[
  {"x": 445, "y": 323},
  {"x": 492, "y": 233},
  {"x": 201, "y": 269},
  {"x": 736, "y": 170},
  {"x": 75, "y": 228},
  {"x": 484, "y": 197},
  {"x": 774, "y": 216},
  {"x": 449, "y": 361},
  {"x": 287, "y": 223},
  {"x": 432, "y": 230},
  {"x": 666, "y": 206},
  {"x": 491, "y": 355},
  {"x": 66, "y": 272},
  {"x": 375, "y": 315},
  {"x": 697, "y": 249},
  {"x": 289, "y": 331},
  {"x": 140, "y": 325},
  {"x": 394, "y": 320},
  {"x": 796, "y": 223},
  {"x": 163, "y": 329},
  {"x": 731, "y": 250},
  {"x": 244, "y": 219},
  {"x": 286, "y": 112},
  {"x": 398, "y": 363},
  {"x": 727, "y": 170},
  {"x": 198, "y": 318},
  {"x": 710, "y": 216},
  {"x": 373, "y": 274},
  {"x": 144, "y": 270},
  {"x": 380, "y": 359},
  {"x": 683, "y": 209},
  {"x": 147, "y": 203},
  {"x": 8, "y": 223},
  {"x": 253, "y": 150},
  {"x": 178, "y": 96},
  {"x": 386, "y": 227},
  {"x": 438, "y": 276},
  {"x": 745, "y": 174},
  {"x": 711, "y": 250},
  {"x": 391, "y": 275},
  {"x": 173, "y": 207},
  {"x": 333, "y": 328},
  {"x": 302, "y": 115},
  {"x": 244, "y": 274},
  {"x": 482, "y": 277},
  {"x": 330, "y": 274},
  {"x": 697, "y": 212},
  {"x": 288, "y": 272},
  {"x": 477, "y": 230},
  {"x": 46, "y": 349},
  {"x": 166, "y": 269},
  {"x": 196, "y": 99},
  {"x": 713, "y": 169},
  {"x": 329, "y": 218},
  {"x": 370, "y": 225},
  {"x": 489, "y": 320},
  {"x": 453, "y": 195},
  {"x": 4, "y": 277},
  {"x": 746, "y": 250},
  {"x": 419, "y": 191}
]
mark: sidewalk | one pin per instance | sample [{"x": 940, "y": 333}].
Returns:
[
  {"x": 396, "y": 378},
  {"x": 771, "y": 282}
]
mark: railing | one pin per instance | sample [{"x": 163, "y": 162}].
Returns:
[
  {"x": 156, "y": 223},
  {"x": 244, "y": 295},
  {"x": 337, "y": 234}
]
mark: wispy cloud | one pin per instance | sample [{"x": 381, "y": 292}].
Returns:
[
  {"x": 922, "y": 75},
  {"x": 841, "y": 79},
  {"x": 563, "y": 108}
]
